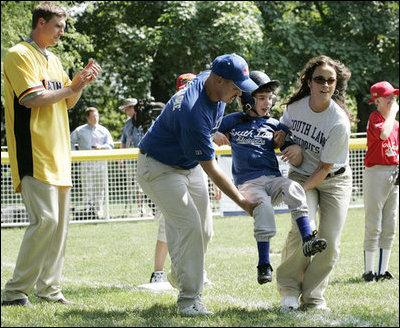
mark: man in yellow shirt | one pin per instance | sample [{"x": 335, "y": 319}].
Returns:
[{"x": 38, "y": 94}]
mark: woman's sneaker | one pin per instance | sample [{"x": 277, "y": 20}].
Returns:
[
  {"x": 313, "y": 245},
  {"x": 158, "y": 276}
]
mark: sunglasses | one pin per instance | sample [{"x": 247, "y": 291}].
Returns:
[{"x": 320, "y": 80}]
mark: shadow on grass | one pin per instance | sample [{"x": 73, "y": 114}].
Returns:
[
  {"x": 159, "y": 315},
  {"x": 97, "y": 290},
  {"x": 350, "y": 281}
]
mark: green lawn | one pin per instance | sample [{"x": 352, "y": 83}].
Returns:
[{"x": 106, "y": 262}]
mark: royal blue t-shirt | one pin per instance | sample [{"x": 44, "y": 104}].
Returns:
[
  {"x": 183, "y": 132},
  {"x": 253, "y": 154}
]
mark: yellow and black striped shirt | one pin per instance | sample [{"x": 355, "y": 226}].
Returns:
[{"x": 37, "y": 138}]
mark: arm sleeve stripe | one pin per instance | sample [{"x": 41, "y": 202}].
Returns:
[{"x": 30, "y": 90}]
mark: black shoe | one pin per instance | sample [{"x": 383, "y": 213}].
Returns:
[
  {"x": 20, "y": 302},
  {"x": 264, "y": 273},
  {"x": 312, "y": 245},
  {"x": 369, "y": 276},
  {"x": 386, "y": 276}
]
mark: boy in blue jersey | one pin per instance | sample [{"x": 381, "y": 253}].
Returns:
[
  {"x": 254, "y": 136},
  {"x": 169, "y": 171}
]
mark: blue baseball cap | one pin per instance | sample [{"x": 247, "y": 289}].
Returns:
[{"x": 233, "y": 67}]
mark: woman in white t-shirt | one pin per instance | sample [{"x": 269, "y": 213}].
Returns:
[{"x": 320, "y": 124}]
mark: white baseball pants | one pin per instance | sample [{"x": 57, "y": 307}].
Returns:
[{"x": 381, "y": 203}]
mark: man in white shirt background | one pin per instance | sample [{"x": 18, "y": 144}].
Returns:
[{"x": 94, "y": 173}]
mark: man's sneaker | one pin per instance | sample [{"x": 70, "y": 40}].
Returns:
[
  {"x": 289, "y": 303},
  {"x": 312, "y": 245},
  {"x": 195, "y": 309},
  {"x": 19, "y": 302},
  {"x": 158, "y": 276},
  {"x": 368, "y": 276},
  {"x": 386, "y": 276},
  {"x": 264, "y": 271}
]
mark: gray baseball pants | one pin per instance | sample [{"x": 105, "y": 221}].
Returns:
[
  {"x": 182, "y": 196},
  {"x": 272, "y": 190}
]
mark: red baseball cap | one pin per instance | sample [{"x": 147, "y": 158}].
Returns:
[
  {"x": 382, "y": 89},
  {"x": 183, "y": 79}
]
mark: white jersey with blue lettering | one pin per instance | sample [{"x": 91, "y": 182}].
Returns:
[{"x": 322, "y": 136}]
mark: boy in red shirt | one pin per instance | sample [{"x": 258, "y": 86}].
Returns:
[{"x": 381, "y": 186}]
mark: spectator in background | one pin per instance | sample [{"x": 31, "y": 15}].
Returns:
[
  {"x": 38, "y": 93},
  {"x": 183, "y": 79},
  {"x": 381, "y": 181},
  {"x": 130, "y": 138},
  {"x": 131, "y": 135},
  {"x": 94, "y": 174}
]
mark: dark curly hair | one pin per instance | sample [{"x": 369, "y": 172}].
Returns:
[{"x": 343, "y": 74}]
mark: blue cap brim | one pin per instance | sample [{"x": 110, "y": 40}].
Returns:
[{"x": 246, "y": 85}]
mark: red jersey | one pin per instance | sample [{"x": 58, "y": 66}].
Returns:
[{"x": 381, "y": 152}]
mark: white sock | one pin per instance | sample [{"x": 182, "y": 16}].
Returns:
[
  {"x": 369, "y": 261},
  {"x": 384, "y": 255}
]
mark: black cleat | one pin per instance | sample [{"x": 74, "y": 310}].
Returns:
[
  {"x": 386, "y": 276},
  {"x": 369, "y": 276},
  {"x": 264, "y": 273},
  {"x": 312, "y": 245}
]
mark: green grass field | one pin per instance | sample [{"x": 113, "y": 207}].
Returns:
[{"x": 106, "y": 262}]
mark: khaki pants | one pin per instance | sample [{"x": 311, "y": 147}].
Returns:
[
  {"x": 41, "y": 255},
  {"x": 307, "y": 277},
  {"x": 182, "y": 197}
]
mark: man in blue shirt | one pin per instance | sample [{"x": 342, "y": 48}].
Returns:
[
  {"x": 131, "y": 134},
  {"x": 169, "y": 171}
]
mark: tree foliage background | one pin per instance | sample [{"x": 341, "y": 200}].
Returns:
[{"x": 144, "y": 46}]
